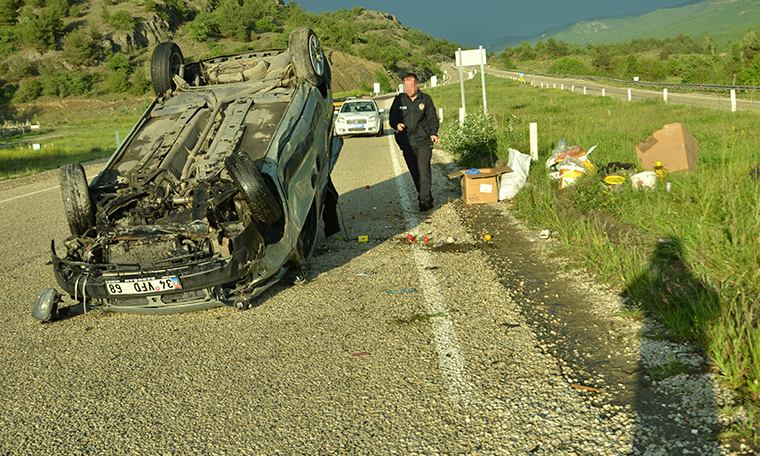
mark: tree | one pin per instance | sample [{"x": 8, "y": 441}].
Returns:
[
  {"x": 751, "y": 74},
  {"x": 9, "y": 11},
  {"x": 749, "y": 46},
  {"x": 40, "y": 31},
  {"x": 710, "y": 46},
  {"x": 79, "y": 47},
  {"x": 231, "y": 21}
]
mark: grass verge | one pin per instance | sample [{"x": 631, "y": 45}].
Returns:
[{"x": 691, "y": 256}]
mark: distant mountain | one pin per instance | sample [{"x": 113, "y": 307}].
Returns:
[{"x": 725, "y": 20}]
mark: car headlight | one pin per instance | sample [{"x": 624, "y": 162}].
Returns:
[
  {"x": 341, "y": 119},
  {"x": 372, "y": 118}
]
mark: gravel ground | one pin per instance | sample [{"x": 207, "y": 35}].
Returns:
[{"x": 393, "y": 347}]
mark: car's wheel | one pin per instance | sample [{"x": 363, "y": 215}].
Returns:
[
  {"x": 380, "y": 131},
  {"x": 306, "y": 54},
  {"x": 166, "y": 62},
  {"x": 252, "y": 187},
  {"x": 46, "y": 305},
  {"x": 76, "y": 198}
]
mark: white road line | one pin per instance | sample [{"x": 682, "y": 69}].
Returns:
[
  {"x": 29, "y": 194},
  {"x": 450, "y": 356}
]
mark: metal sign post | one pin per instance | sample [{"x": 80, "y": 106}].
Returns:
[
  {"x": 461, "y": 82},
  {"x": 483, "y": 78},
  {"x": 472, "y": 58}
]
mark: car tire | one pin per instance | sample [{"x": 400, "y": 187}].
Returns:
[
  {"x": 253, "y": 188},
  {"x": 380, "y": 131},
  {"x": 166, "y": 62},
  {"x": 76, "y": 198},
  {"x": 45, "y": 307},
  {"x": 306, "y": 54}
]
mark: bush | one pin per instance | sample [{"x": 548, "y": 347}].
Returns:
[
  {"x": 568, "y": 65},
  {"x": 385, "y": 83},
  {"x": 202, "y": 26},
  {"x": 474, "y": 140},
  {"x": 78, "y": 47},
  {"x": 139, "y": 82},
  {"x": 16, "y": 68},
  {"x": 117, "y": 83},
  {"x": 119, "y": 63},
  {"x": 28, "y": 90},
  {"x": 56, "y": 83},
  {"x": 122, "y": 20},
  {"x": 265, "y": 25},
  {"x": 59, "y": 7}
]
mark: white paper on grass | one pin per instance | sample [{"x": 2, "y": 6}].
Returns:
[{"x": 510, "y": 184}]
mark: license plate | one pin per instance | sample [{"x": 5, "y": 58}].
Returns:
[
  {"x": 143, "y": 286},
  {"x": 359, "y": 125}
]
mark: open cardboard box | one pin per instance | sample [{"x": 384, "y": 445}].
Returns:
[
  {"x": 674, "y": 146},
  {"x": 482, "y": 187}
]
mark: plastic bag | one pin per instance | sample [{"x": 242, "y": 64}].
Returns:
[{"x": 510, "y": 184}]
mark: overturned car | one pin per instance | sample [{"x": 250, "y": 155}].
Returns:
[{"x": 214, "y": 195}]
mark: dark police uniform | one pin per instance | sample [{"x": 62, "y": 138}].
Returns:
[{"x": 421, "y": 122}]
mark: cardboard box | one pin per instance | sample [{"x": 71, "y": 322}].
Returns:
[
  {"x": 674, "y": 146},
  {"x": 483, "y": 187}
]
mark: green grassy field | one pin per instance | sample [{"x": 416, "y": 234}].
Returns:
[
  {"x": 80, "y": 140},
  {"x": 691, "y": 256}
]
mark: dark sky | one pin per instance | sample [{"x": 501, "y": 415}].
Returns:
[{"x": 481, "y": 22}]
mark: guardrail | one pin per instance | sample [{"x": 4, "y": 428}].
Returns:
[{"x": 658, "y": 85}]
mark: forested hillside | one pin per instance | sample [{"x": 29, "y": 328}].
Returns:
[
  {"x": 682, "y": 59},
  {"x": 59, "y": 48}
]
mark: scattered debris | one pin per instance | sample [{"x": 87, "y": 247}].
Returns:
[
  {"x": 673, "y": 146},
  {"x": 480, "y": 186},
  {"x": 544, "y": 234},
  {"x": 587, "y": 388},
  {"x": 402, "y": 291}
]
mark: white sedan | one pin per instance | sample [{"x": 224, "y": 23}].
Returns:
[{"x": 358, "y": 117}]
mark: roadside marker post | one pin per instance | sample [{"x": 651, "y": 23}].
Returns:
[
  {"x": 665, "y": 95},
  {"x": 629, "y": 94},
  {"x": 534, "y": 141},
  {"x": 733, "y": 100}
]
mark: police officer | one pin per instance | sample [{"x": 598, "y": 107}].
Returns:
[{"x": 414, "y": 118}]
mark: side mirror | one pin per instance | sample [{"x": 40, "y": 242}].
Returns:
[{"x": 381, "y": 111}]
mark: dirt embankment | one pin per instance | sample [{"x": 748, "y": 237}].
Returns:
[{"x": 349, "y": 72}]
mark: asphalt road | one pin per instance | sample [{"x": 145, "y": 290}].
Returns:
[
  {"x": 392, "y": 347},
  {"x": 595, "y": 88}
]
